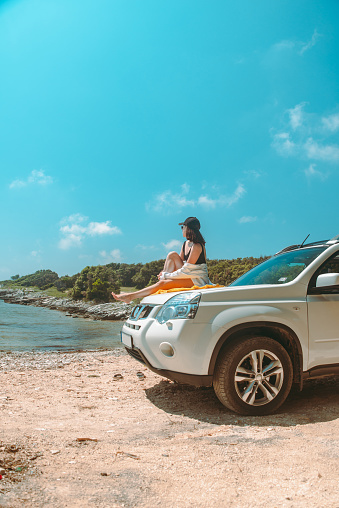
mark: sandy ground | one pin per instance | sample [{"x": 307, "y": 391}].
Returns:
[{"x": 74, "y": 434}]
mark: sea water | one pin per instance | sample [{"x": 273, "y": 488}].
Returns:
[{"x": 27, "y": 328}]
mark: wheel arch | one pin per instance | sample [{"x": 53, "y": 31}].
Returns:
[{"x": 277, "y": 331}]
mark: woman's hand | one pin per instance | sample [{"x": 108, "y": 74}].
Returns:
[{"x": 159, "y": 275}]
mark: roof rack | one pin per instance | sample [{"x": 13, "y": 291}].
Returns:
[
  {"x": 321, "y": 242},
  {"x": 333, "y": 240},
  {"x": 287, "y": 249},
  {"x": 313, "y": 244}
]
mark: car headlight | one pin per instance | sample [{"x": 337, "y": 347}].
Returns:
[{"x": 181, "y": 306}]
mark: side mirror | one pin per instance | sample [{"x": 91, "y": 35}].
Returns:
[{"x": 327, "y": 279}]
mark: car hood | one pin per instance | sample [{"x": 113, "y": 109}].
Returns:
[{"x": 234, "y": 293}]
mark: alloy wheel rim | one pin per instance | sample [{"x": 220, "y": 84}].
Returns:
[{"x": 259, "y": 377}]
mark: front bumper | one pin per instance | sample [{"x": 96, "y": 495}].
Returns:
[{"x": 179, "y": 377}]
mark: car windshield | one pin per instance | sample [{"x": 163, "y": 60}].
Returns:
[{"x": 280, "y": 269}]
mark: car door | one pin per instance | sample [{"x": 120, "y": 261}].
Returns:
[{"x": 323, "y": 318}]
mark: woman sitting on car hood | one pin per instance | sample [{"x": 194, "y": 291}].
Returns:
[{"x": 180, "y": 271}]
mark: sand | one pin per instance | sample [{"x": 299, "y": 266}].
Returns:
[{"x": 97, "y": 429}]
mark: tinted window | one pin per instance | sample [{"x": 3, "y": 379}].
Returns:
[
  {"x": 330, "y": 266},
  {"x": 280, "y": 269}
]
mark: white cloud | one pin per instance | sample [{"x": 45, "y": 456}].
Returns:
[
  {"x": 246, "y": 219},
  {"x": 69, "y": 241},
  {"x": 222, "y": 200},
  {"x": 75, "y": 218},
  {"x": 36, "y": 177},
  {"x": 74, "y": 229},
  {"x": 238, "y": 193},
  {"x": 207, "y": 202},
  {"x": 296, "y": 115},
  {"x": 299, "y": 46},
  {"x": 172, "y": 244},
  {"x": 114, "y": 256},
  {"x": 169, "y": 202},
  {"x": 311, "y": 172},
  {"x": 17, "y": 184},
  {"x": 102, "y": 228},
  {"x": 308, "y": 45},
  {"x": 252, "y": 173},
  {"x": 307, "y": 136},
  {"x": 321, "y": 152},
  {"x": 283, "y": 144},
  {"x": 185, "y": 188},
  {"x": 331, "y": 122},
  {"x": 283, "y": 45},
  {"x": 39, "y": 177}
]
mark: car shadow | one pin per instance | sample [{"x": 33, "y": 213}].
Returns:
[{"x": 318, "y": 402}]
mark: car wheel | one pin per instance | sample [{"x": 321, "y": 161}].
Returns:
[{"x": 253, "y": 377}]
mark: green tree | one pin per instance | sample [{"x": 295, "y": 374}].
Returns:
[
  {"x": 96, "y": 283},
  {"x": 98, "y": 291},
  {"x": 65, "y": 282},
  {"x": 39, "y": 279},
  {"x": 143, "y": 277}
]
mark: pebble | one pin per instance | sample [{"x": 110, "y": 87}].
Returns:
[{"x": 48, "y": 360}]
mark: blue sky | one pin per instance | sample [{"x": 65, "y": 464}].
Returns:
[{"x": 118, "y": 119}]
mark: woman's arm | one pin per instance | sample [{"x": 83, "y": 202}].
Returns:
[
  {"x": 182, "y": 254},
  {"x": 195, "y": 253}
]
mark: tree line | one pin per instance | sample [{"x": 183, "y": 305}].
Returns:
[{"x": 97, "y": 282}]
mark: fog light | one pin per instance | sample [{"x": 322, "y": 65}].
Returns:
[{"x": 166, "y": 349}]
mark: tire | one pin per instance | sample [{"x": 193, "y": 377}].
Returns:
[{"x": 253, "y": 377}]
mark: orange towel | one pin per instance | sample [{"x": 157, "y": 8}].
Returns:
[{"x": 174, "y": 290}]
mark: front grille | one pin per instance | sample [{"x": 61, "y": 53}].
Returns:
[
  {"x": 135, "y": 354},
  {"x": 141, "y": 312},
  {"x": 134, "y": 327}
]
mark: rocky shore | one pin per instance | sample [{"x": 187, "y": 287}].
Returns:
[{"x": 76, "y": 308}]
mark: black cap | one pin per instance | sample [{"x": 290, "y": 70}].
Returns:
[{"x": 191, "y": 222}]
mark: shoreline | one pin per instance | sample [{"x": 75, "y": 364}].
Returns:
[{"x": 74, "y": 308}]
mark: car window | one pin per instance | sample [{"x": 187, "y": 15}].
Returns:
[
  {"x": 280, "y": 269},
  {"x": 330, "y": 266}
]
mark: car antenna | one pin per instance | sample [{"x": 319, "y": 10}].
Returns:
[{"x": 305, "y": 240}]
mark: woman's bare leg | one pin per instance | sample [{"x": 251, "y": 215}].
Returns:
[
  {"x": 173, "y": 262},
  {"x": 162, "y": 284}
]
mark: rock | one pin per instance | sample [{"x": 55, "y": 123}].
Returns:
[
  {"x": 81, "y": 439},
  {"x": 76, "y": 308}
]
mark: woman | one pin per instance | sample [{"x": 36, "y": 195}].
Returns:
[{"x": 180, "y": 271}]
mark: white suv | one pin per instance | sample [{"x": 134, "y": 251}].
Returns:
[{"x": 276, "y": 325}]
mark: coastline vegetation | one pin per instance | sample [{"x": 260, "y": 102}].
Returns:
[{"x": 96, "y": 283}]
